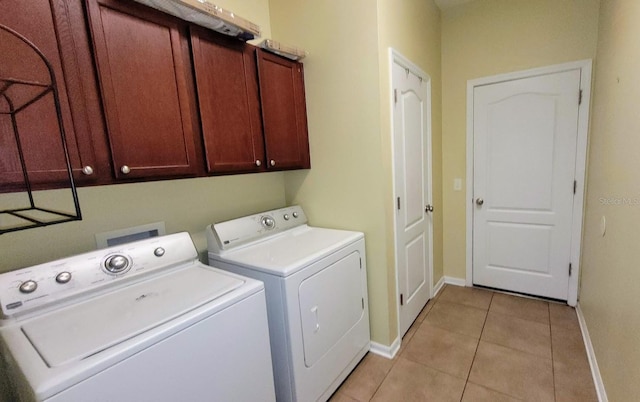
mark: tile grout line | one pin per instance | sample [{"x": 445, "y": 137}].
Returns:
[
  {"x": 397, "y": 358},
  {"x": 476, "y": 351},
  {"x": 553, "y": 364}
]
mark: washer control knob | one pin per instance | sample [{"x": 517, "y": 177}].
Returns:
[
  {"x": 116, "y": 263},
  {"x": 268, "y": 222},
  {"x": 29, "y": 286},
  {"x": 286, "y": 217},
  {"x": 159, "y": 252},
  {"x": 63, "y": 277},
  {"x": 295, "y": 215}
]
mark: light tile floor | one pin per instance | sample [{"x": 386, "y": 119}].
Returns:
[{"x": 470, "y": 344}]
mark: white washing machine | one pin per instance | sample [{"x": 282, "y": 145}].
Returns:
[
  {"x": 143, "y": 321},
  {"x": 316, "y": 289}
]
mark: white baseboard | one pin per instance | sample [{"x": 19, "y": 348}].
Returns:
[
  {"x": 438, "y": 287},
  {"x": 385, "y": 351},
  {"x": 591, "y": 354},
  {"x": 450, "y": 280}
]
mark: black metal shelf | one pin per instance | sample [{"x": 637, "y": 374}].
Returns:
[{"x": 32, "y": 91}]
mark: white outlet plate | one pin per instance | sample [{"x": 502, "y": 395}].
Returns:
[{"x": 457, "y": 184}]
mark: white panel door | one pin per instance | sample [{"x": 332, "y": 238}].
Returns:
[
  {"x": 525, "y": 134},
  {"x": 411, "y": 124}
]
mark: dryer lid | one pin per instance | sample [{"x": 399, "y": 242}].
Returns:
[
  {"x": 80, "y": 330},
  {"x": 290, "y": 251}
]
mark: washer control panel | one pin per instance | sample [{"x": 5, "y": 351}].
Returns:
[
  {"x": 41, "y": 285},
  {"x": 236, "y": 232}
]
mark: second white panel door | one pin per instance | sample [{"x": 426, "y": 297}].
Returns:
[{"x": 525, "y": 136}]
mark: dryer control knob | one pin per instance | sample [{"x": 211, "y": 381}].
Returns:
[
  {"x": 29, "y": 286},
  {"x": 116, "y": 264},
  {"x": 268, "y": 222},
  {"x": 63, "y": 277}
]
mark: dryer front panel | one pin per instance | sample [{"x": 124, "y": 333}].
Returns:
[{"x": 331, "y": 303}]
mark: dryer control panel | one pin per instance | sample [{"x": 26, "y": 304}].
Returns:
[
  {"x": 42, "y": 285},
  {"x": 237, "y": 232}
]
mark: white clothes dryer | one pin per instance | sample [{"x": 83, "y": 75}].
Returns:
[
  {"x": 316, "y": 288},
  {"x": 143, "y": 321}
]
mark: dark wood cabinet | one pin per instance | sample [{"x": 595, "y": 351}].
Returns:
[
  {"x": 227, "y": 85},
  {"x": 143, "y": 64},
  {"x": 284, "y": 113},
  {"x": 252, "y": 106},
  {"x": 50, "y": 27},
  {"x": 146, "y": 96}
]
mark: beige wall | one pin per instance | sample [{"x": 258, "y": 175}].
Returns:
[
  {"x": 344, "y": 187},
  {"x": 490, "y": 37},
  {"x": 184, "y": 205},
  {"x": 610, "y": 274},
  {"x": 346, "y": 78}
]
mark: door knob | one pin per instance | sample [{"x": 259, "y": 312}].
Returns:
[
  {"x": 125, "y": 169},
  {"x": 479, "y": 201},
  {"x": 428, "y": 208}
]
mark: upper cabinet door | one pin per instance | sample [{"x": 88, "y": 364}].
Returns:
[
  {"x": 227, "y": 85},
  {"x": 143, "y": 65},
  {"x": 48, "y": 27},
  {"x": 284, "y": 113}
]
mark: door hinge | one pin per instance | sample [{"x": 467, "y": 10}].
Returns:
[
  {"x": 398, "y": 199},
  {"x": 575, "y": 186},
  {"x": 401, "y": 299},
  {"x": 570, "y": 269},
  {"x": 362, "y": 303},
  {"x": 580, "y": 97},
  {"x": 395, "y": 96}
]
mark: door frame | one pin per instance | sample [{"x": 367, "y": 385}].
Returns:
[
  {"x": 397, "y": 57},
  {"x": 585, "y": 67}
]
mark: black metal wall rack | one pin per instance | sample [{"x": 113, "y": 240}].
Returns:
[{"x": 12, "y": 102}]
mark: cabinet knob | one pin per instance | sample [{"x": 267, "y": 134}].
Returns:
[
  {"x": 272, "y": 162},
  {"x": 125, "y": 169},
  {"x": 258, "y": 162},
  {"x": 88, "y": 170}
]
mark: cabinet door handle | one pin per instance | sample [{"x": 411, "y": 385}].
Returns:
[
  {"x": 258, "y": 162},
  {"x": 125, "y": 169},
  {"x": 88, "y": 170},
  {"x": 272, "y": 162}
]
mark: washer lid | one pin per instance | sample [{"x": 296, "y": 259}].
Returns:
[
  {"x": 84, "y": 329},
  {"x": 289, "y": 251}
]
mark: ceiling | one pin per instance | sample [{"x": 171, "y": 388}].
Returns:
[{"x": 443, "y": 4}]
